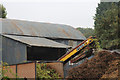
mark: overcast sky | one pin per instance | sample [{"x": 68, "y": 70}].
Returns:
[{"x": 77, "y": 13}]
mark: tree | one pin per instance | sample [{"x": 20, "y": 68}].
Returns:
[
  {"x": 3, "y": 12},
  {"x": 106, "y": 25},
  {"x": 86, "y": 31}
]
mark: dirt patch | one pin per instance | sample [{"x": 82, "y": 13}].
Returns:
[{"x": 103, "y": 65}]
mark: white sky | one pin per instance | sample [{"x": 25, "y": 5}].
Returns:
[{"x": 77, "y": 13}]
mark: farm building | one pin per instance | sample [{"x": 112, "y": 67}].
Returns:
[{"x": 22, "y": 41}]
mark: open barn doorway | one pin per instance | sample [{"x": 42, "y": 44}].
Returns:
[{"x": 44, "y": 53}]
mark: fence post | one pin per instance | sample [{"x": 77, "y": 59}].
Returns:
[
  {"x": 35, "y": 70},
  {"x": 16, "y": 72}
]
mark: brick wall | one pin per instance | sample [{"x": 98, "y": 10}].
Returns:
[{"x": 27, "y": 70}]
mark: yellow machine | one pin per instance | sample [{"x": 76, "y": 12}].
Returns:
[{"x": 71, "y": 54}]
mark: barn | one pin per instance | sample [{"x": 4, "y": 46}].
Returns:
[{"x": 24, "y": 41}]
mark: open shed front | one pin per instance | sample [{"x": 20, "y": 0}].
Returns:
[
  {"x": 43, "y": 53},
  {"x": 25, "y": 48}
]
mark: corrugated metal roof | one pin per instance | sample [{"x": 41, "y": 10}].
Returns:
[
  {"x": 36, "y": 41},
  {"x": 19, "y": 27}
]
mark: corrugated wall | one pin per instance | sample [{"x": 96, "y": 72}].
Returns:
[
  {"x": 72, "y": 43},
  {"x": 0, "y": 55},
  {"x": 0, "y": 49},
  {"x": 13, "y": 51}
]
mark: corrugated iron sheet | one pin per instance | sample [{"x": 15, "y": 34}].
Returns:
[
  {"x": 0, "y": 51},
  {"x": 16, "y": 51},
  {"x": 36, "y": 41},
  {"x": 19, "y": 27}
]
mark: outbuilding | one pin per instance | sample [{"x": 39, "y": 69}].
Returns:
[{"x": 22, "y": 41}]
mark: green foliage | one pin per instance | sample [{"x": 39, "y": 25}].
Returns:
[
  {"x": 106, "y": 25},
  {"x": 5, "y": 69},
  {"x": 86, "y": 31},
  {"x": 96, "y": 44},
  {"x": 3, "y": 12},
  {"x": 44, "y": 71},
  {"x": 4, "y": 66}
]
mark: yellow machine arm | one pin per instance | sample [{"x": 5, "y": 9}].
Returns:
[{"x": 75, "y": 51}]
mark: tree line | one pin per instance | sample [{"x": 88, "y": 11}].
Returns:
[
  {"x": 86, "y": 31},
  {"x": 106, "y": 25}
]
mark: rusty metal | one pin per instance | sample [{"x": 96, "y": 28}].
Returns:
[
  {"x": 19, "y": 27},
  {"x": 0, "y": 50},
  {"x": 34, "y": 34},
  {"x": 36, "y": 41},
  {"x": 12, "y": 51}
]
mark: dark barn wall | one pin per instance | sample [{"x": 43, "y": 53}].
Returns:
[
  {"x": 72, "y": 43},
  {"x": 42, "y": 53},
  {"x": 0, "y": 55},
  {"x": 62, "y": 41},
  {"x": 0, "y": 49},
  {"x": 13, "y": 52}
]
